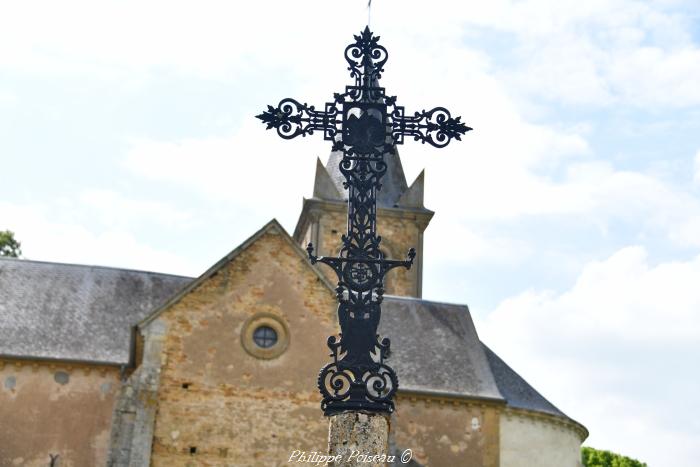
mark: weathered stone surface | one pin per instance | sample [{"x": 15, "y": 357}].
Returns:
[
  {"x": 135, "y": 410},
  {"x": 359, "y": 439},
  {"x": 323, "y": 222},
  {"x": 443, "y": 431},
  {"x": 217, "y": 403},
  {"x": 197, "y": 397},
  {"x": 413, "y": 196},
  {"x": 43, "y": 415},
  {"x": 209, "y": 401}
]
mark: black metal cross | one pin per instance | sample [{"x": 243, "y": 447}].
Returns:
[{"x": 364, "y": 123}]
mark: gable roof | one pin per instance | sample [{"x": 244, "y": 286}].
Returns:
[
  {"x": 84, "y": 313},
  {"x": 75, "y": 312},
  {"x": 271, "y": 227}
]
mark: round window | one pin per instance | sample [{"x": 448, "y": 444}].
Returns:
[{"x": 265, "y": 337}]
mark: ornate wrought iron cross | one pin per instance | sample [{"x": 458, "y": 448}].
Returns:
[{"x": 364, "y": 123}]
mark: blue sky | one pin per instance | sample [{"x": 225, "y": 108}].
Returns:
[{"x": 569, "y": 220}]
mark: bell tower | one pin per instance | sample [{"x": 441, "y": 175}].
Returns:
[{"x": 401, "y": 217}]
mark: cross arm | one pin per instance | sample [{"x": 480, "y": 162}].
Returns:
[
  {"x": 407, "y": 263},
  {"x": 291, "y": 118},
  {"x": 436, "y": 127},
  {"x": 338, "y": 264}
]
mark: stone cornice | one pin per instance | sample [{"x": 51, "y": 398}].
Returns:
[{"x": 314, "y": 207}]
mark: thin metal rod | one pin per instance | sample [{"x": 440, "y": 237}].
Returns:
[{"x": 369, "y": 10}]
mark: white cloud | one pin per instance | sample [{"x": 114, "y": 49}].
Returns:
[
  {"x": 651, "y": 76},
  {"x": 7, "y": 99},
  {"x": 45, "y": 239},
  {"x": 687, "y": 233},
  {"x": 591, "y": 193},
  {"x": 596, "y": 52},
  {"x": 114, "y": 39},
  {"x": 249, "y": 167},
  {"x": 493, "y": 162},
  {"x": 116, "y": 210},
  {"x": 603, "y": 53},
  {"x": 458, "y": 244},
  {"x": 612, "y": 352}
]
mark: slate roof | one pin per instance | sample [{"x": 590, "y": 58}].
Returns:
[
  {"x": 85, "y": 313},
  {"x": 434, "y": 347},
  {"x": 75, "y": 312},
  {"x": 450, "y": 359}
]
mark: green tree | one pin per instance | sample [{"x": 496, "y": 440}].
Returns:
[
  {"x": 595, "y": 458},
  {"x": 8, "y": 245}
]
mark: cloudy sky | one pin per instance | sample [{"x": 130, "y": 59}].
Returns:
[{"x": 569, "y": 220}]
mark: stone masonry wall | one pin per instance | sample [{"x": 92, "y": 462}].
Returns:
[
  {"x": 528, "y": 439},
  {"x": 220, "y": 405},
  {"x": 55, "y": 409},
  {"x": 217, "y": 403},
  {"x": 443, "y": 432},
  {"x": 398, "y": 235}
]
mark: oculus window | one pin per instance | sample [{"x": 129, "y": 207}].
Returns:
[{"x": 265, "y": 337}]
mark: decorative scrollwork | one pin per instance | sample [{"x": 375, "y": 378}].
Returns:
[
  {"x": 381, "y": 383},
  {"x": 436, "y": 127},
  {"x": 366, "y": 59},
  {"x": 291, "y": 118},
  {"x": 335, "y": 383},
  {"x": 364, "y": 123},
  {"x": 347, "y": 389}
]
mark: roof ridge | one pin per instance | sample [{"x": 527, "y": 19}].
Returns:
[
  {"x": 423, "y": 300},
  {"x": 271, "y": 226},
  {"x": 91, "y": 266},
  {"x": 493, "y": 358}
]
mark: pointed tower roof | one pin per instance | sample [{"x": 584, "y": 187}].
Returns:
[
  {"x": 326, "y": 187},
  {"x": 395, "y": 191}
]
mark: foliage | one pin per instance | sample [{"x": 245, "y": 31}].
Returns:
[
  {"x": 8, "y": 245},
  {"x": 595, "y": 458}
]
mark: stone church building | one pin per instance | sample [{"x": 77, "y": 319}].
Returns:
[{"x": 104, "y": 366}]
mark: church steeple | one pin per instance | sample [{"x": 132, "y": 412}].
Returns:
[
  {"x": 395, "y": 192},
  {"x": 401, "y": 216}
]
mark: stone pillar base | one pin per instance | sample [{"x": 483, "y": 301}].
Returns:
[{"x": 356, "y": 437}]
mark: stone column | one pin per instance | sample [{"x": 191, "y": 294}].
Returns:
[{"x": 357, "y": 437}]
